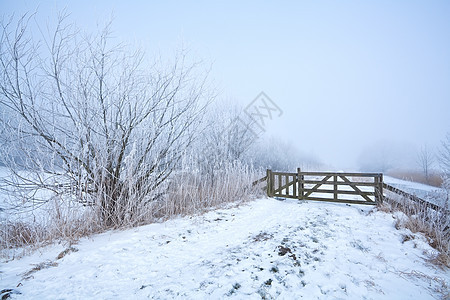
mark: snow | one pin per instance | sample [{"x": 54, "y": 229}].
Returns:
[
  {"x": 409, "y": 185},
  {"x": 263, "y": 249},
  {"x": 430, "y": 193}
]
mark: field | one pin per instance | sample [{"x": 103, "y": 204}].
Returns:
[{"x": 262, "y": 249}]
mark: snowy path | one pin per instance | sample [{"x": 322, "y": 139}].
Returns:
[{"x": 264, "y": 249}]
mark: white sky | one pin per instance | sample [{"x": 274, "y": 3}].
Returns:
[{"x": 348, "y": 75}]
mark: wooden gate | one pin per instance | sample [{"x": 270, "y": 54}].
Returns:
[{"x": 356, "y": 188}]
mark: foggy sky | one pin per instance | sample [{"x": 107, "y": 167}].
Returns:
[{"x": 351, "y": 76}]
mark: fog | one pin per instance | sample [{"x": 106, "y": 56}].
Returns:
[{"x": 356, "y": 81}]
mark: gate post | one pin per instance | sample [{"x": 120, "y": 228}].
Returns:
[
  {"x": 335, "y": 188},
  {"x": 376, "y": 187},
  {"x": 300, "y": 184},
  {"x": 294, "y": 185},
  {"x": 379, "y": 188},
  {"x": 269, "y": 182}
]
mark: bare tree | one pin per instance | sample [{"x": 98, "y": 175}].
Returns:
[
  {"x": 87, "y": 119},
  {"x": 425, "y": 160},
  {"x": 228, "y": 135}
]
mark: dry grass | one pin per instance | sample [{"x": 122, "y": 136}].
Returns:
[
  {"x": 66, "y": 251},
  {"x": 19, "y": 234},
  {"x": 37, "y": 267},
  {"x": 435, "y": 284},
  {"x": 434, "y": 225},
  {"x": 20, "y": 238},
  {"x": 415, "y": 176}
]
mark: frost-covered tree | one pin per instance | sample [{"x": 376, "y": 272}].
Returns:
[
  {"x": 88, "y": 118},
  {"x": 444, "y": 155},
  {"x": 444, "y": 160},
  {"x": 280, "y": 155}
]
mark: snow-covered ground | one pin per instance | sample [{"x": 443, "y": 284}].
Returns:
[{"x": 263, "y": 249}]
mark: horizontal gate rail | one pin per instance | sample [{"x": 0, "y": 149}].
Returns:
[
  {"x": 342, "y": 192},
  {"x": 339, "y": 201},
  {"x": 339, "y": 173},
  {"x": 359, "y": 183}
]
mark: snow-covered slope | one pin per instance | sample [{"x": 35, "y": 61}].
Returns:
[
  {"x": 430, "y": 193},
  {"x": 409, "y": 185},
  {"x": 263, "y": 249}
]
